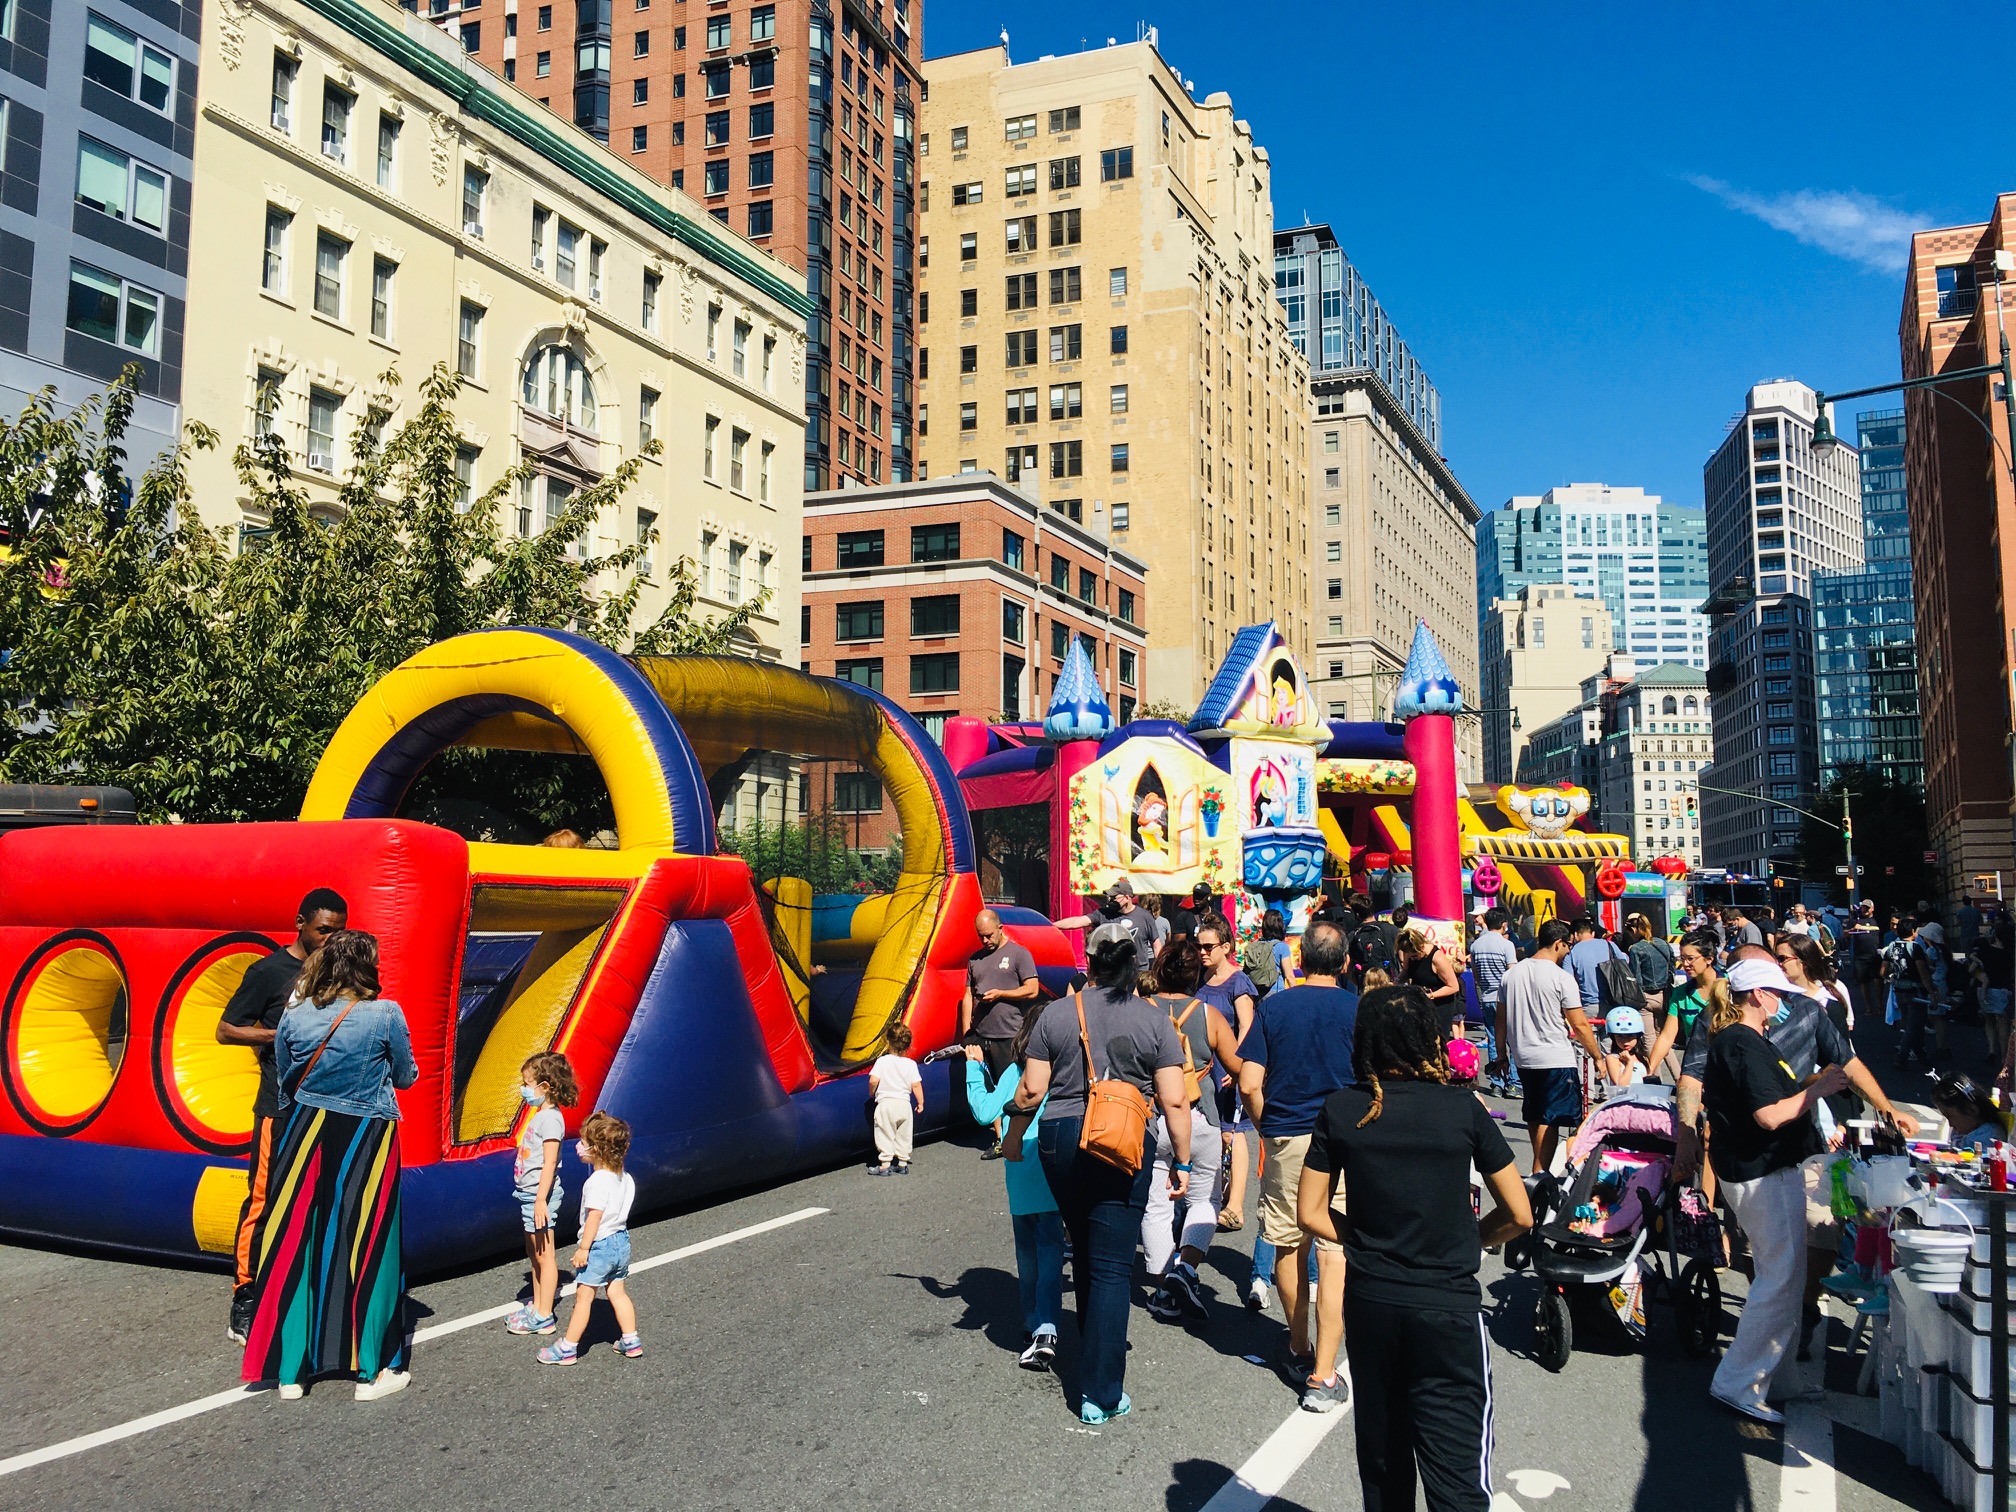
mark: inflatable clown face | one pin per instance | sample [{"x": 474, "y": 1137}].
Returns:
[{"x": 1545, "y": 811}]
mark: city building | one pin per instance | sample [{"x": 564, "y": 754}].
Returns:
[
  {"x": 1657, "y": 739},
  {"x": 1779, "y": 511},
  {"x": 356, "y": 216},
  {"x": 1644, "y": 557},
  {"x": 791, "y": 121},
  {"x": 1538, "y": 648},
  {"x": 98, "y": 113},
  {"x": 1337, "y": 322},
  {"x": 962, "y": 595},
  {"x": 1962, "y": 506},
  {"x": 1394, "y": 535},
  {"x": 1097, "y": 322},
  {"x": 1865, "y": 652}
]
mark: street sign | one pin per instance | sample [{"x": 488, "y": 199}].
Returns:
[
  {"x": 1931, "y": 858},
  {"x": 1840, "y": 871}
]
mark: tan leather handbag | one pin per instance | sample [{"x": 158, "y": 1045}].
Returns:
[{"x": 1115, "y": 1129}]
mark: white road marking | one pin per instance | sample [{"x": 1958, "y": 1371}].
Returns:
[
  {"x": 1537, "y": 1484},
  {"x": 171, "y": 1415},
  {"x": 1806, "y": 1476},
  {"x": 1274, "y": 1463}
]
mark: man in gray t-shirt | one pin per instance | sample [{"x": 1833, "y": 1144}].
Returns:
[{"x": 1001, "y": 982}]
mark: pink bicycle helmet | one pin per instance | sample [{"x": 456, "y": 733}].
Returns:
[{"x": 1464, "y": 1064}]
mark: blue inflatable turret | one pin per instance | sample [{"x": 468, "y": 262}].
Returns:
[
  {"x": 1078, "y": 709},
  {"x": 1427, "y": 686}
]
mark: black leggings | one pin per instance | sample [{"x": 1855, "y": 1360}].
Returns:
[{"x": 1420, "y": 1392}]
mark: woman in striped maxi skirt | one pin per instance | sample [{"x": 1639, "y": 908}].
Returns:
[{"x": 329, "y": 1283}]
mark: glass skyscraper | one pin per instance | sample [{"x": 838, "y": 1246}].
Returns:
[
  {"x": 1336, "y": 323},
  {"x": 1865, "y": 653}
]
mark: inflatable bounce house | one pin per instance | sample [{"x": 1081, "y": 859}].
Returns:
[
  {"x": 729, "y": 1023},
  {"x": 1267, "y": 802}
]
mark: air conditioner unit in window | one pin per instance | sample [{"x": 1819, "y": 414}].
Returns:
[{"x": 321, "y": 462}]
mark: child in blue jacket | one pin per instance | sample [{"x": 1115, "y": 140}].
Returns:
[{"x": 1039, "y": 1230}]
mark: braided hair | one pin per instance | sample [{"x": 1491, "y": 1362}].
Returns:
[{"x": 1399, "y": 1036}]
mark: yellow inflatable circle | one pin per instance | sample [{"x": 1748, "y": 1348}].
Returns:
[
  {"x": 214, "y": 1085},
  {"x": 66, "y": 1033}
]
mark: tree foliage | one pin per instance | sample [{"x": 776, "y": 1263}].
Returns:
[
  {"x": 1890, "y": 839},
  {"x": 142, "y": 652},
  {"x": 817, "y": 848}
]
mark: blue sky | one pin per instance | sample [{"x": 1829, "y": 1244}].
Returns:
[{"x": 1598, "y": 225}]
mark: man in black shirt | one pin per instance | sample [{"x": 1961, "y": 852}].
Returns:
[{"x": 250, "y": 1018}]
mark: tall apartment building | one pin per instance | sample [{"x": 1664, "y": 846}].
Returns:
[
  {"x": 98, "y": 114},
  {"x": 1962, "y": 505},
  {"x": 961, "y": 595},
  {"x": 1657, "y": 739},
  {"x": 355, "y": 215},
  {"x": 792, "y": 122},
  {"x": 1865, "y": 651},
  {"x": 1646, "y": 558},
  {"x": 1538, "y": 648},
  {"x": 1394, "y": 538},
  {"x": 1779, "y": 511},
  {"x": 1097, "y": 322}
]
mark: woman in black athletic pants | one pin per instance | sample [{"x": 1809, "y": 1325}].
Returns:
[{"x": 1396, "y": 1150}]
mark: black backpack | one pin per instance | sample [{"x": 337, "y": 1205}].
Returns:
[
  {"x": 1618, "y": 985},
  {"x": 1369, "y": 949}
]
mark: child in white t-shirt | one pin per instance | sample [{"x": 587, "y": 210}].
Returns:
[
  {"x": 602, "y": 1259},
  {"x": 898, "y": 1089}
]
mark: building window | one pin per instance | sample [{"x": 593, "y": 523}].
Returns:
[
  {"x": 934, "y": 543},
  {"x": 1118, "y": 399},
  {"x": 1066, "y": 400},
  {"x": 1021, "y": 237},
  {"x": 475, "y": 187},
  {"x": 762, "y": 170},
  {"x": 1116, "y": 163},
  {"x": 542, "y": 65},
  {"x": 1011, "y": 550},
  {"x": 858, "y": 792},
  {"x": 1066, "y": 342},
  {"x": 652, "y": 283},
  {"x": 1065, "y": 286},
  {"x": 331, "y": 252},
  {"x": 465, "y": 478},
  {"x": 1119, "y": 457},
  {"x": 647, "y": 416},
  {"x": 280, "y": 113},
  {"x": 967, "y": 194},
  {"x": 556, "y": 383},
  {"x": 720, "y": 32},
  {"x": 120, "y": 61},
  {"x": 856, "y": 549},
  {"x": 738, "y": 361},
  {"x": 958, "y": 138},
  {"x": 323, "y": 408},
  {"x": 640, "y": 137},
  {"x": 1067, "y": 459},
  {"x": 1126, "y": 668},
  {"x": 719, "y": 77},
  {"x": 1060, "y": 639},
  {"x": 866, "y": 671},
  {"x": 1021, "y": 350},
  {"x": 858, "y": 622},
  {"x": 1064, "y": 228},
  {"x": 937, "y": 614},
  {"x": 107, "y": 307},
  {"x": 937, "y": 672},
  {"x": 763, "y": 23},
  {"x": 716, "y": 177},
  {"x": 1118, "y": 341},
  {"x": 383, "y": 270},
  {"x": 1122, "y": 515},
  {"x": 1334, "y": 589},
  {"x": 1064, "y": 120},
  {"x": 738, "y": 447},
  {"x": 1333, "y": 551},
  {"x": 1956, "y": 290},
  {"x": 1088, "y": 585},
  {"x": 273, "y": 269},
  {"x": 762, "y": 120},
  {"x": 336, "y": 107},
  {"x": 388, "y": 150}
]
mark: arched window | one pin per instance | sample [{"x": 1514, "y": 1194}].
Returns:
[
  {"x": 1670, "y": 706},
  {"x": 557, "y": 384},
  {"x": 1693, "y": 704}
]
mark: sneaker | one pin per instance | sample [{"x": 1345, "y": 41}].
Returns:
[
  {"x": 387, "y": 1383},
  {"x": 1757, "y": 1412},
  {"x": 902, "y": 1168},
  {"x": 1297, "y": 1368},
  {"x": 526, "y": 1321},
  {"x": 1041, "y": 1351},
  {"x": 1258, "y": 1294},
  {"x": 1088, "y": 1413},
  {"x": 240, "y": 1324},
  {"x": 1324, "y": 1396},
  {"x": 881, "y": 1170},
  {"x": 1181, "y": 1283},
  {"x": 1162, "y": 1303},
  {"x": 629, "y": 1346},
  {"x": 292, "y": 1391},
  {"x": 559, "y": 1352},
  {"x": 992, "y": 1152}
]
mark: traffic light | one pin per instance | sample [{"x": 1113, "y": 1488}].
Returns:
[{"x": 1693, "y": 805}]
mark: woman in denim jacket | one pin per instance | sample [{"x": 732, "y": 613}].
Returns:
[{"x": 329, "y": 1285}]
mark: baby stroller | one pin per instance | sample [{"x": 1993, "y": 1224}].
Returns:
[{"x": 1622, "y": 1223}]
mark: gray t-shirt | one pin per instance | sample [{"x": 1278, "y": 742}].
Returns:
[
  {"x": 1197, "y": 1030},
  {"x": 1141, "y": 924},
  {"x": 1131, "y": 1040},
  {"x": 1534, "y": 1000},
  {"x": 1002, "y": 969}
]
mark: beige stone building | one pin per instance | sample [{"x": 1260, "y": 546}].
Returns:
[
  {"x": 1394, "y": 544},
  {"x": 1537, "y": 650},
  {"x": 367, "y": 199},
  {"x": 1096, "y": 309}
]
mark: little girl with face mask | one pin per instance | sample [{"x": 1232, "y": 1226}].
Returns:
[
  {"x": 547, "y": 1084},
  {"x": 602, "y": 1258}
]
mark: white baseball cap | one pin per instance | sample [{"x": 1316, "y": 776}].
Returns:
[{"x": 1751, "y": 974}]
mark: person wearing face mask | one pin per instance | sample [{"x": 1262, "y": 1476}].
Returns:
[
  {"x": 546, "y": 1084},
  {"x": 602, "y": 1257}
]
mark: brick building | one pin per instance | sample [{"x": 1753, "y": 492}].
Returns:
[
  {"x": 792, "y": 122},
  {"x": 1963, "y": 540},
  {"x": 959, "y": 595}
]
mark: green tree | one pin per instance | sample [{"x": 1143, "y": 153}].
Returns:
[
  {"x": 1890, "y": 838},
  {"x": 817, "y": 848},
  {"x": 144, "y": 653}
]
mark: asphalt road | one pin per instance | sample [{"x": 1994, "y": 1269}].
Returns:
[{"x": 859, "y": 1356}]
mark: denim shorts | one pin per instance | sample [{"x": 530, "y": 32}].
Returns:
[
  {"x": 608, "y": 1260},
  {"x": 528, "y": 1200}
]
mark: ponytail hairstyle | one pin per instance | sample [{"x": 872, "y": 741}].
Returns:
[
  {"x": 1722, "y": 1008},
  {"x": 1399, "y": 1038}
]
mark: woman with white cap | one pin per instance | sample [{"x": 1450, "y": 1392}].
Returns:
[{"x": 1760, "y": 1129}]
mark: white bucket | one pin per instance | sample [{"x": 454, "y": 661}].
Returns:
[{"x": 1932, "y": 1259}]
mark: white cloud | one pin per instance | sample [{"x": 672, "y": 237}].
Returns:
[{"x": 1855, "y": 226}]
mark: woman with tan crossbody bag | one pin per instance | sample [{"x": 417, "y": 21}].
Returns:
[{"x": 1099, "y": 1064}]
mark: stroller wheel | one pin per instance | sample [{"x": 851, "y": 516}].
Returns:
[
  {"x": 1697, "y": 1308},
  {"x": 1553, "y": 1332}
]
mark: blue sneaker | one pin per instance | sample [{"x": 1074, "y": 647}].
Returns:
[
  {"x": 526, "y": 1321},
  {"x": 559, "y": 1352},
  {"x": 630, "y": 1346},
  {"x": 1090, "y": 1413}
]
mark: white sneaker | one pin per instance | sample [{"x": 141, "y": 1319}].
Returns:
[
  {"x": 291, "y": 1391},
  {"x": 1258, "y": 1294},
  {"x": 388, "y": 1383}
]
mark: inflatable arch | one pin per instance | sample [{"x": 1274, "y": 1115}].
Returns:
[{"x": 681, "y": 991}]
